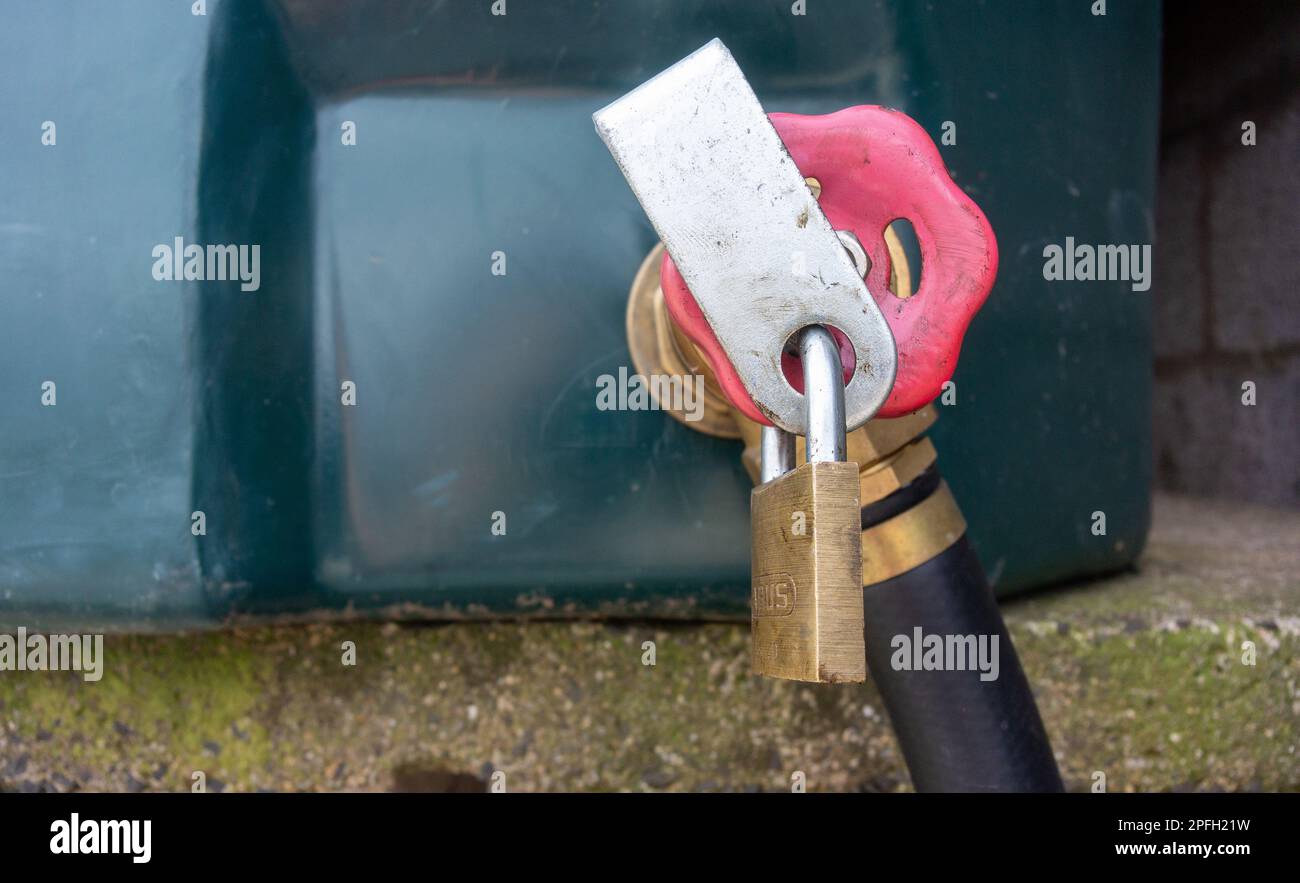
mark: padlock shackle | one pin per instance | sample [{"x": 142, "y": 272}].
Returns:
[
  {"x": 827, "y": 440},
  {"x": 776, "y": 454},
  {"x": 823, "y": 391}
]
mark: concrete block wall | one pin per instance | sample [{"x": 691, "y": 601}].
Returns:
[{"x": 1227, "y": 285}]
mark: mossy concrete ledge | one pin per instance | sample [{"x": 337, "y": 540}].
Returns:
[{"x": 1140, "y": 678}]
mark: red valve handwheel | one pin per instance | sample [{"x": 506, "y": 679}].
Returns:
[{"x": 875, "y": 166}]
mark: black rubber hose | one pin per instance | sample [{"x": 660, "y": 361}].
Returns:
[{"x": 957, "y": 731}]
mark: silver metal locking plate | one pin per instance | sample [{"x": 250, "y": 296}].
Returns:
[{"x": 743, "y": 228}]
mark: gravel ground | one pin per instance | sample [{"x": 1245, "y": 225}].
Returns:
[{"x": 1139, "y": 677}]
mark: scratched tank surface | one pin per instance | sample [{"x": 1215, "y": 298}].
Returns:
[{"x": 475, "y": 391}]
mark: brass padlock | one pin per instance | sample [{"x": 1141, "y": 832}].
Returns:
[{"x": 807, "y": 555}]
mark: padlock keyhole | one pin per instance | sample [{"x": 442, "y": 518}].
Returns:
[{"x": 792, "y": 368}]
